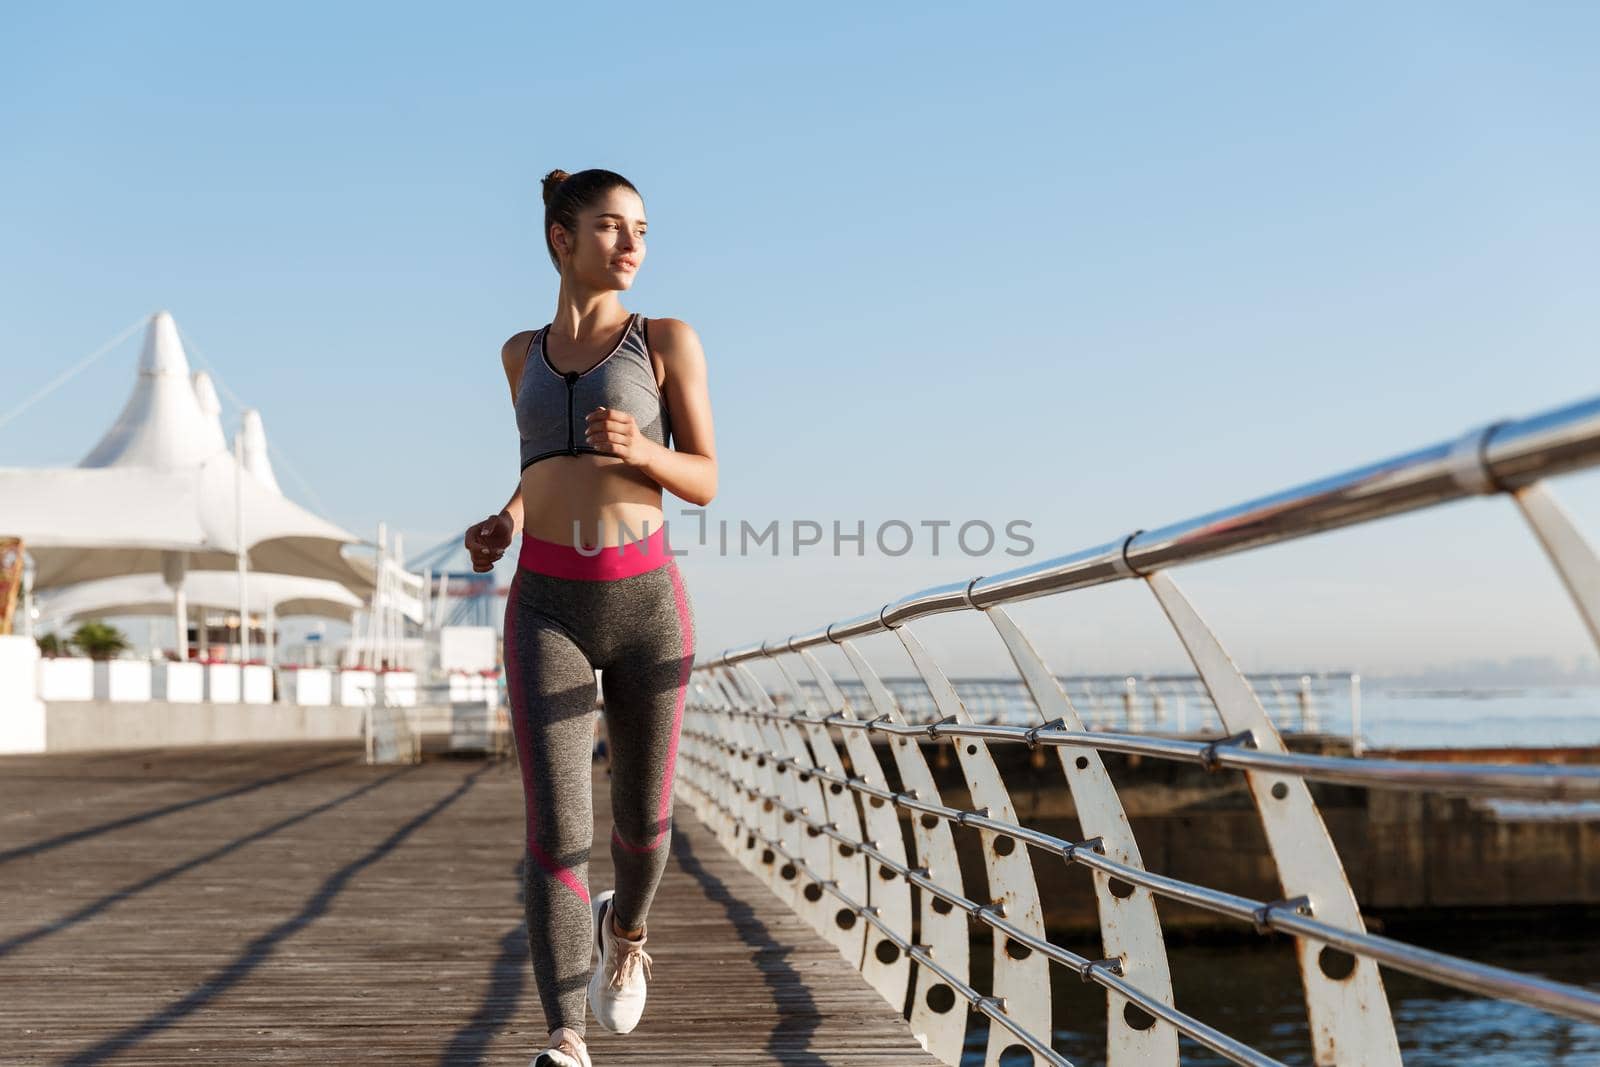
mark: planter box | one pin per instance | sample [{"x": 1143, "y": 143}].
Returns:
[
  {"x": 122, "y": 680},
  {"x": 256, "y": 684},
  {"x": 398, "y": 689},
  {"x": 356, "y": 687},
  {"x": 178, "y": 683},
  {"x": 468, "y": 648},
  {"x": 465, "y": 687},
  {"x": 22, "y": 713},
  {"x": 307, "y": 686},
  {"x": 66, "y": 678},
  {"x": 222, "y": 683}
]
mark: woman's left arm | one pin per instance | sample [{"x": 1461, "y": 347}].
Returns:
[{"x": 688, "y": 469}]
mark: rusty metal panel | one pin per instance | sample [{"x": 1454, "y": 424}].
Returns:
[
  {"x": 782, "y": 739},
  {"x": 849, "y": 871},
  {"x": 1350, "y": 1020},
  {"x": 763, "y": 776},
  {"x": 1130, "y": 930},
  {"x": 940, "y": 1028},
  {"x": 882, "y": 963},
  {"x": 1023, "y": 985},
  {"x": 711, "y": 718}
]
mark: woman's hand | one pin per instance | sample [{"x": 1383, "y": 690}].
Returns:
[
  {"x": 488, "y": 540},
  {"x": 616, "y": 432}
]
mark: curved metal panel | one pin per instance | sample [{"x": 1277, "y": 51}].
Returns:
[
  {"x": 1564, "y": 543},
  {"x": 1022, "y": 984},
  {"x": 699, "y": 715},
  {"x": 1350, "y": 1020},
  {"x": 1130, "y": 930},
  {"x": 763, "y": 776},
  {"x": 888, "y": 893},
  {"x": 849, "y": 871},
  {"x": 781, "y": 738},
  {"x": 741, "y": 780},
  {"x": 709, "y": 717},
  {"x": 944, "y": 930}
]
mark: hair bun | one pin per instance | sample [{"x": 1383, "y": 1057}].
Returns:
[{"x": 552, "y": 182}]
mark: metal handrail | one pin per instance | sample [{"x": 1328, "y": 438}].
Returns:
[
  {"x": 1533, "y": 781},
  {"x": 754, "y": 798},
  {"x": 1103, "y": 972},
  {"x": 1500, "y": 457},
  {"x": 1559, "y": 997}
]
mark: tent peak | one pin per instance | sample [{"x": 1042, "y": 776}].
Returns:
[{"x": 163, "y": 351}]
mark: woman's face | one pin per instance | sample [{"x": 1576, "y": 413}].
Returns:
[{"x": 608, "y": 248}]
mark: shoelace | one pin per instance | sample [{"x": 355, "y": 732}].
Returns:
[
  {"x": 630, "y": 959},
  {"x": 570, "y": 1047}
]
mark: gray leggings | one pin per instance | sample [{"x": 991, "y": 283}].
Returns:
[{"x": 627, "y": 613}]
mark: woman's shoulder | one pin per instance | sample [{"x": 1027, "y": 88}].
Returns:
[
  {"x": 672, "y": 339},
  {"x": 515, "y": 350},
  {"x": 514, "y": 357}
]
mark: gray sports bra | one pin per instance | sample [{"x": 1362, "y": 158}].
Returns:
[{"x": 552, "y": 406}]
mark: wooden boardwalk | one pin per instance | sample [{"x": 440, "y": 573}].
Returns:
[{"x": 289, "y": 904}]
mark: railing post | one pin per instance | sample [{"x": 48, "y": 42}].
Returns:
[
  {"x": 1023, "y": 983},
  {"x": 1130, "y": 930},
  {"x": 1350, "y": 1020},
  {"x": 934, "y": 1018}
]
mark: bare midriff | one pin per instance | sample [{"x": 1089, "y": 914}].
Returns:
[{"x": 573, "y": 499}]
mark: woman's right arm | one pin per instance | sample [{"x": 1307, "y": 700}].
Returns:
[
  {"x": 513, "y": 355},
  {"x": 488, "y": 540}
]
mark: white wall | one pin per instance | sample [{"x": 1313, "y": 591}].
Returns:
[{"x": 22, "y": 713}]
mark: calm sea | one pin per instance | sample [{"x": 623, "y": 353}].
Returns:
[{"x": 1252, "y": 993}]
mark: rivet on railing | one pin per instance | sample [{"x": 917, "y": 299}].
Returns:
[
  {"x": 1032, "y": 733},
  {"x": 1093, "y": 844},
  {"x": 1111, "y": 966},
  {"x": 1262, "y": 916},
  {"x": 982, "y": 813},
  {"x": 1208, "y": 754}
]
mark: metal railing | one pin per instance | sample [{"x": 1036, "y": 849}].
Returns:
[
  {"x": 1297, "y": 702},
  {"x": 822, "y": 827}
]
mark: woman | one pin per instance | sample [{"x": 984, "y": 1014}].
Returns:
[{"x": 598, "y": 395}]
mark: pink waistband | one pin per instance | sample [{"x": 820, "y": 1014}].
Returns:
[{"x": 595, "y": 564}]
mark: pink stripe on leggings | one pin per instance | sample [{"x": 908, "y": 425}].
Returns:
[
  {"x": 525, "y": 746},
  {"x": 604, "y": 564}
]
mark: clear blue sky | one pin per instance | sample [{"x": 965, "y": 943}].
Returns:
[{"x": 1090, "y": 268}]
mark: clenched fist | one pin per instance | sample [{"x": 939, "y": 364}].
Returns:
[
  {"x": 487, "y": 541},
  {"x": 616, "y": 432}
]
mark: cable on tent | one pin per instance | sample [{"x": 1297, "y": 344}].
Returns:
[{"x": 64, "y": 378}]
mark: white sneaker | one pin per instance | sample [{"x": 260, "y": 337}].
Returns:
[
  {"x": 566, "y": 1050},
  {"x": 617, "y": 987}
]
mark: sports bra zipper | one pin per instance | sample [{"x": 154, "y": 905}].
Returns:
[{"x": 572, "y": 445}]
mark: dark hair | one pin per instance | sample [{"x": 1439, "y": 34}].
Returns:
[{"x": 567, "y": 194}]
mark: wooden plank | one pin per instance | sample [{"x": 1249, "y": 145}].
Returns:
[{"x": 289, "y": 904}]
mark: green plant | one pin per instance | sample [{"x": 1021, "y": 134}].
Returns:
[
  {"x": 99, "y": 640},
  {"x": 53, "y": 644}
]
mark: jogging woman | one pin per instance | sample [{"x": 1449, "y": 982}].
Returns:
[{"x": 599, "y": 393}]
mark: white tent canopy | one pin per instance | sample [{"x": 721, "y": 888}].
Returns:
[
  {"x": 158, "y": 493},
  {"x": 149, "y": 594}
]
